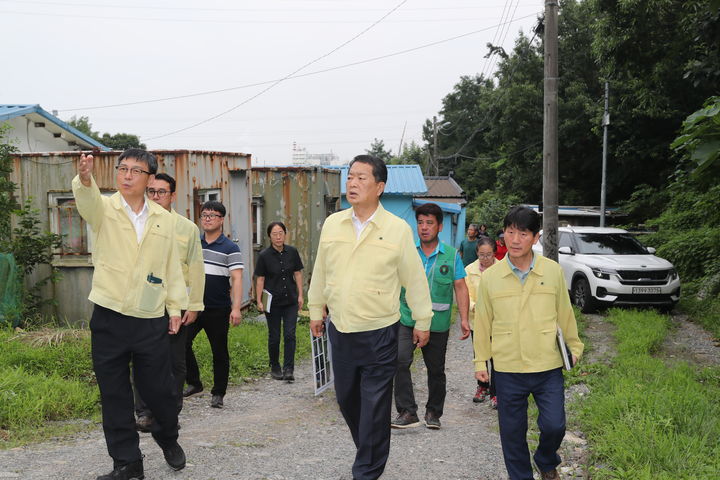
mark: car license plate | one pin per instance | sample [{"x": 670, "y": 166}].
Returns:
[{"x": 646, "y": 290}]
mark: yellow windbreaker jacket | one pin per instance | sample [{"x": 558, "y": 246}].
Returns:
[
  {"x": 138, "y": 280},
  {"x": 522, "y": 319},
  {"x": 360, "y": 279},
  {"x": 187, "y": 236}
]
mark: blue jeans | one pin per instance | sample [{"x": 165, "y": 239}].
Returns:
[{"x": 513, "y": 390}]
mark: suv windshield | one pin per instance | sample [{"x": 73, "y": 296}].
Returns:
[{"x": 609, "y": 244}]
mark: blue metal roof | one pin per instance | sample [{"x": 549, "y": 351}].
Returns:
[
  {"x": 402, "y": 180},
  {"x": 8, "y": 112},
  {"x": 444, "y": 206}
]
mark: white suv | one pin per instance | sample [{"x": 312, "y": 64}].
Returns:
[{"x": 608, "y": 266}]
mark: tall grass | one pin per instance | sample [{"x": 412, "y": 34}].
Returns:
[
  {"x": 647, "y": 420},
  {"x": 247, "y": 344},
  {"x": 47, "y": 380}
]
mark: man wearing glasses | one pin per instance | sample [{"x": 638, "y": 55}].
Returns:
[
  {"x": 137, "y": 278},
  {"x": 223, "y": 265},
  {"x": 161, "y": 190}
]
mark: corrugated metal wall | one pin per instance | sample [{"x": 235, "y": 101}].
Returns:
[
  {"x": 301, "y": 198},
  {"x": 39, "y": 175}
]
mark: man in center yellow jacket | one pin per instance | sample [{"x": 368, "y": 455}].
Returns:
[
  {"x": 365, "y": 256},
  {"x": 521, "y": 302}
]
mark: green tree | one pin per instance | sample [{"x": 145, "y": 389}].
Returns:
[
  {"x": 377, "y": 149},
  {"x": 7, "y": 187},
  {"x": 117, "y": 141},
  {"x": 412, "y": 154}
]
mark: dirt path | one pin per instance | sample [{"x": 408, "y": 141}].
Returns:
[
  {"x": 273, "y": 430},
  {"x": 277, "y": 431}
]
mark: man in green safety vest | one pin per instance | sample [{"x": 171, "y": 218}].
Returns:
[{"x": 445, "y": 273}]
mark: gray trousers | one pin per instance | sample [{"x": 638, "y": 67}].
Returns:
[{"x": 434, "y": 356}]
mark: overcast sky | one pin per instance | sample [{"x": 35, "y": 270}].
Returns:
[{"x": 85, "y": 57}]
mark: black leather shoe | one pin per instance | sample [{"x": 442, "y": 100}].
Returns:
[
  {"x": 174, "y": 456},
  {"x": 288, "y": 375},
  {"x": 192, "y": 390},
  {"x": 276, "y": 373},
  {"x": 144, "y": 423},
  {"x": 216, "y": 401},
  {"x": 131, "y": 471}
]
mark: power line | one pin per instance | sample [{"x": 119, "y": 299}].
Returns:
[
  {"x": 291, "y": 77},
  {"x": 234, "y": 9},
  {"x": 507, "y": 30},
  {"x": 495, "y": 37},
  {"x": 287, "y": 76},
  {"x": 491, "y": 108},
  {"x": 228, "y": 21}
]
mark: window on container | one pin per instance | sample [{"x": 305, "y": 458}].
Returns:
[
  {"x": 67, "y": 222},
  {"x": 256, "y": 222},
  {"x": 206, "y": 195},
  {"x": 331, "y": 205}
]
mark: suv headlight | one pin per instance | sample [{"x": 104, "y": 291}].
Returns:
[
  {"x": 602, "y": 273},
  {"x": 673, "y": 274}
]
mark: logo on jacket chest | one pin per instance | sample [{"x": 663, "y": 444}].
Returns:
[{"x": 444, "y": 269}]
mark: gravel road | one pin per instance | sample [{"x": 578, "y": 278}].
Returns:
[
  {"x": 277, "y": 431},
  {"x": 274, "y": 430}
]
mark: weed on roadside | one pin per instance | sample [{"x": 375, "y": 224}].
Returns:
[{"x": 647, "y": 420}]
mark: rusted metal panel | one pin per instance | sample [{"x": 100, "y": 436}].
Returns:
[
  {"x": 299, "y": 197},
  {"x": 39, "y": 174}
]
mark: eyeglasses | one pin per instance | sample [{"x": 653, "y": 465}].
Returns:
[
  {"x": 160, "y": 193},
  {"x": 210, "y": 216},
  {"x": 486, "y": 255},
  {"x": 135, "y": 171}
]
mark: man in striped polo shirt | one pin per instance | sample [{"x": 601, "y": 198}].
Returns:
[{"x": 222, "y": 299}]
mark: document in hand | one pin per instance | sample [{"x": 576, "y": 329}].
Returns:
[
  {"x": 266, "y": 300},
  {"x": 564, "y": 350}
]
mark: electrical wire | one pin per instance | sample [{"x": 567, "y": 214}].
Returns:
[
  {"x": 234, "y": 9},
  {"x": 487, "y": 120},
  {"x": 365, "y": 30},
  {"x": 291, "y": 77}
]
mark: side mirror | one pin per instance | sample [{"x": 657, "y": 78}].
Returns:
[
  {"x": 650, "y": 250},
  {"x": 566, "y": 250}
]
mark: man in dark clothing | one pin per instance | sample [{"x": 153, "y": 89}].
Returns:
[{"x": 222, "y": 306}]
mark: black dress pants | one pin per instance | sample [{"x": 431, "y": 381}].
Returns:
[
  {"x": 287, "y": 315},
  {"x": 215, "y": 322},
  {"x": 117, "y": 341},
  {"x": 364, "y": 364},
  {"x": 434, "y": 357},
  {"x": 177, "y": 359}
]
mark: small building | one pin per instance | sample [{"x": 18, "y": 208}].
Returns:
[
  {"x": 200, "y": 175},
  {"x": 445, "y": 191},
  {"x": 301, "y": 198},
  {"x": 35, "y": 130}
]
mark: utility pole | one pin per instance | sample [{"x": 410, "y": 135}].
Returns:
[
  {"x": 550, "y": 133},
  {"x": 603, "y": 186},
  {"x": 435, "y": 155},
  {"x": 402, "y": 137}
]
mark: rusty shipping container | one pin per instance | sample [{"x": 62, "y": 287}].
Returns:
[
  {"x": 301, "y": 198},
  {"x": 45, "y": 178}
]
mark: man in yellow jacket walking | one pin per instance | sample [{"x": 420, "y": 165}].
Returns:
[
  {"x": 522, "y": 300},
  {"x": 137, "y": 277},
  {"x": 366, "y": 254}
]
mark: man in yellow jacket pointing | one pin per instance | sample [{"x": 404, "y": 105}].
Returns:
[{"x": 137, "y": 277}]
